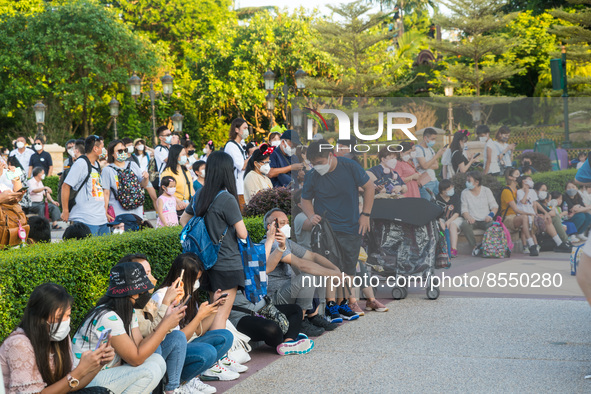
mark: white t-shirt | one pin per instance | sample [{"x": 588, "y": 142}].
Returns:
[
  {"x": 85, "y": 339},
  {"x": 144, "y": 161},
  {"x": 110, "y": 180},
  {"x": 160, "y": 154},
  {"x": 34, "y": 185},
  {"x": 24, "y": 157},
  {"x": 427, "y": 154},
  {"x": 90, "y": 201},
  {"x": 494, "y": 158},
  {"x": 239, "y": 156},
  {"x": 478, "y": 206},
  {"x": 529, "y": 204}
]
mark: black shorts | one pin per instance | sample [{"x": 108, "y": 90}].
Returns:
[
  {"x": 350, "y": 246},
  {"x": 223, "y": 280}
]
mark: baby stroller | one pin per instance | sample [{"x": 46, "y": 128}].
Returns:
[{"x": 405, "y": 241}]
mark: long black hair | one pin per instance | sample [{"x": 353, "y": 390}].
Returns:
[
  {"x": 173, "y": 158},
  {"x": 45, "y": 301},
  {"x": 459, "y": 136},
  {"x": 218, "y": 176},
  {"x": 257, "y": 156},
  {"x": 192, "y": 266},
  {"x": 111, "y": 150}
]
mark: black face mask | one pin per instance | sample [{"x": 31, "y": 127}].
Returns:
[
  {"x": 142, "y": 300},
  {"x": 190, "y": 152}
]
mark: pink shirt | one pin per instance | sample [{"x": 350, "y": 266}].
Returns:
[
  {"x": 168, "y": 211},
  {"x": 34, "y": 185},
  {"x": 405, "y": 170}
]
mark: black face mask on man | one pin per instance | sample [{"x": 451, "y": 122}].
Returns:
[{"x": 142, "y": 300}]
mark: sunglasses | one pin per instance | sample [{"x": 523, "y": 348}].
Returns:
[{"x": 121, "y": 151}]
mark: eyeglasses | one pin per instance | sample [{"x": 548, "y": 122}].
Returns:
[{"x": 121, "y": 151}]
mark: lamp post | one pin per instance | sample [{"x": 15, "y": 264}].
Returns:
[
  {"x": 566, "y": 144},
  {"x": 114, "y": 108},
  {"x": 297, "y": 117},
  {"x": 135, "y": 85},
  {"x": 269, "y": 78},
  {"x": 449, "y": 92},
  {"x": 40, "y": 109},
  {"x": 177, "y": 121},
  {"x": 476, "y": 112}
]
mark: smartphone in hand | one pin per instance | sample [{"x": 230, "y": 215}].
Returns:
[{"x": 103, "y": 338}]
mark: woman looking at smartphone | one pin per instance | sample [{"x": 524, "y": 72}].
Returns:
[
  {"x": 206, "y": 345},
  {"x": 37, "y": 356}
]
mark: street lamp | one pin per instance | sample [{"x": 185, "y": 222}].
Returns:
[
  {"x": 298, "y": 117},
  {"x": 40, "y": 109},
  {"x": 269, "y": 79},
  {"x": 177, "y": 121},
  {"x": 135, "y": 85},
  {"x": 476, "y": 111},
  {"x": 114, "y": 108},
  {"x": 449, "y": 92}
]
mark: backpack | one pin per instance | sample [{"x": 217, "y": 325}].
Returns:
[
  {"x": 153, "y": 171},
  {"x": 494, "y": 242},
  {"x": 325, "y": 243},
  {"x": 12, "y": 221},
  {"x": 74, "y": 192},
  {"x": 195, "y": 238},
  {"x": 575, "y": 257},
  {"x": 498, "y": 200},
  {"x": 129, "y": 191}
]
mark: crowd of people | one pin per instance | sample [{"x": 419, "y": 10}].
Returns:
[{"x": 142, "y": 335}]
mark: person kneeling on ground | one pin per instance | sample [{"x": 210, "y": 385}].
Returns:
[
  {"x": 285, "y": 288},
  {"x": 143, "y": 368}
]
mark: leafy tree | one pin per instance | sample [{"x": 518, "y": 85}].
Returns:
[
  {"x": 74, "y": 55},
  {"x": 536, "y": 7},
  {"x": 477, "y": 21}
]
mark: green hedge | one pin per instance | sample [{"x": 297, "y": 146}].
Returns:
[{"x": 83, "y": 266}]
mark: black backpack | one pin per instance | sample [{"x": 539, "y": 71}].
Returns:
[
  {"x": 73, "y": 192},
  {"x": 325, "y": 243}
]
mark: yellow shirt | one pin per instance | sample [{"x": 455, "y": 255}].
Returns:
[
  {"x": 506, "y": 197},
  {"x": 183, "y": 192}
]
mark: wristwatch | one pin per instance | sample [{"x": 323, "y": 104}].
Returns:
[
  {"x": 282, "y": 250},
  {"x": 72, "y": 381},
  {"x": 365, "y": 214}
]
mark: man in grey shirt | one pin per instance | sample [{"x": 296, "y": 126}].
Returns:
[{"x": 294, "y": 275}]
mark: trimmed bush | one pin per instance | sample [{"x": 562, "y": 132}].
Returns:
[
  {"x": 267, "y": 199},
  {"x": 83, "y": 266},
  {"x": 555, "y": 180},
  {"x": 539, "y": 161}
]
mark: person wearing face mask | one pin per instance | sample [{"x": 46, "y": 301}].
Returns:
[
  {"x": 71, "y": 151},
  {"x": 234, "y": 147},
  {"x": 383, "y": 175},
  {"x": 142, "y": 153},
  {"x": 85, "y": 177},
  {"x": 514, "y": 218},
  {"x": 427, "y": 161},
  {"x": 460, "y": 163},
  {"x": 168, "y": 204},
  {"x": 450, "y": 218},
  {"x": 176, "y": 168},
  {"x": 191, "y": 156},
  {"x": 499, "y": 153},
  {"x": 255, "y": 178},
  {"x": 37, "y": 355},
  {"x": 161, "y": 150},
  {"x": 578, "y": 213},
  {"x": 137, "y": 366},
  {"x": 283, "y": 160},
  {"x": 526, "y": 166},
  {"x": 274, "y": 137},
  {"x": 38, "y": 193},
  {"x": 117, "y": 155},
  {"x": 22, "y": 152},
  {"x": 406, "y": 169},
  {"x": 40, "y": 158},
  {"x": 199, "y": 171},
  {"x": 207, "y": 150},
  {"x": 478, "y": 208},
  {"x": 206, "y": 346},
  {"x": 527, "y": 202},
  {"x": 552, "y": 225}
]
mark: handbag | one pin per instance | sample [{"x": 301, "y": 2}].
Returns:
[
  {"x": 270, "y": 312},
  {"x": 254, "y": 263}
]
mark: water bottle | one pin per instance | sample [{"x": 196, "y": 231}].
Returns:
[{"x": 564, "y": 207}]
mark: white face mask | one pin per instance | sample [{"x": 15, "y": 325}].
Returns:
[
  {"x": 265, "y": 168},
  {"x": 322, "y": 169},
  {"x": 413, "y": 154},
  {"x": 406, "y": 157},
  {"x": 139, "y": 147},
  {"x": 202, "y": 173},
  {"x": 196, "y": 285},
  {"x": 71, "y": 152},
  {"x": 205, "y": 151},
  {"x": 245, "y": 134},
  {"x": 37, "y": 146},
  {"x": 183, "y": 160},
  {"x": 168, "y": 139},
  {"x": 42, "y": 176},
  {"x": 130, "y": 149},
  {"x": 171, "y": 190},
  {"x": 61, "y": 333},
  {"x": 20, "y": 145},
  {"x": 529, "y": 183},
  {"x": 391, "y": 163},
  {"x": 287, "y": 149},
  {"x": 276, "y": 143},
  {"x": 118, "y": 231},
  {"x": 542, "y": 195},
  {"x": 286, "y": 230},
  {"x": 483, "y": 139}
]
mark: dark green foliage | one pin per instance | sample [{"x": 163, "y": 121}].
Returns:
[
  {"x": 268, "y": 199},
  {"x": 539, "y": 161}
]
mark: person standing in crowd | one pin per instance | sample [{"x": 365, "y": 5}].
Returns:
[
  {"x": 168, "y": 204},
  {"x": 238, "y": 135},
  {"x": 332, "y": 189},
  {"x": 578, "y": 213},
  {"x": 38, "y": 192},
  {"x": 117, "y": 155},
  {"x": 499, "y": 153},
  {"x": 207, "y": 150},
  {"x": 161, "y": 150},
  {"x": 136, "y": 364},
  {"x": 255, "y": 177},
  {"x": 218, "y": 200},
  {"x": 479, "y": 208},
  {"x": 406, "y": 169},
  {"x": 199, "y": 171},
  {"x": 129, "y": 149},
  {"x": 85, "y": 177},
  {"x": 459, "y": 162},
  {"x": 22, "y": 152},
  {"x": 191, "y": 156},
  {"x": 250, "y": 147},
  {"x": 451, "y": 218},
  {"x": 282, "y": 158},
  {"x": 37, "y": 357},
  {"x": 175, "y": 167},
  {"x": 140, "y": 152},
  {"x": 383, "y": 175},
  {"x": 40, "y": 158},
  {"x": 426, "y": 160},
  {"x": 514, "y": 218},
  {"x": 71, "y": 152}
]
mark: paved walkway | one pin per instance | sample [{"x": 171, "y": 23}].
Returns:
[{"x": 469, "y": 340}]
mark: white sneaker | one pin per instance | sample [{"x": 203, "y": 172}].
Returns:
[
  {"x": 232, "y": 365},
  {"x": 196, "y": 385},
  {"x": 239, "y": 355},
  {"x": 582, "y": 237},
  {"x": 185, "y": 389},
  {"x": 573, "y": 239},
  {"x": 221, "y": 373}
]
